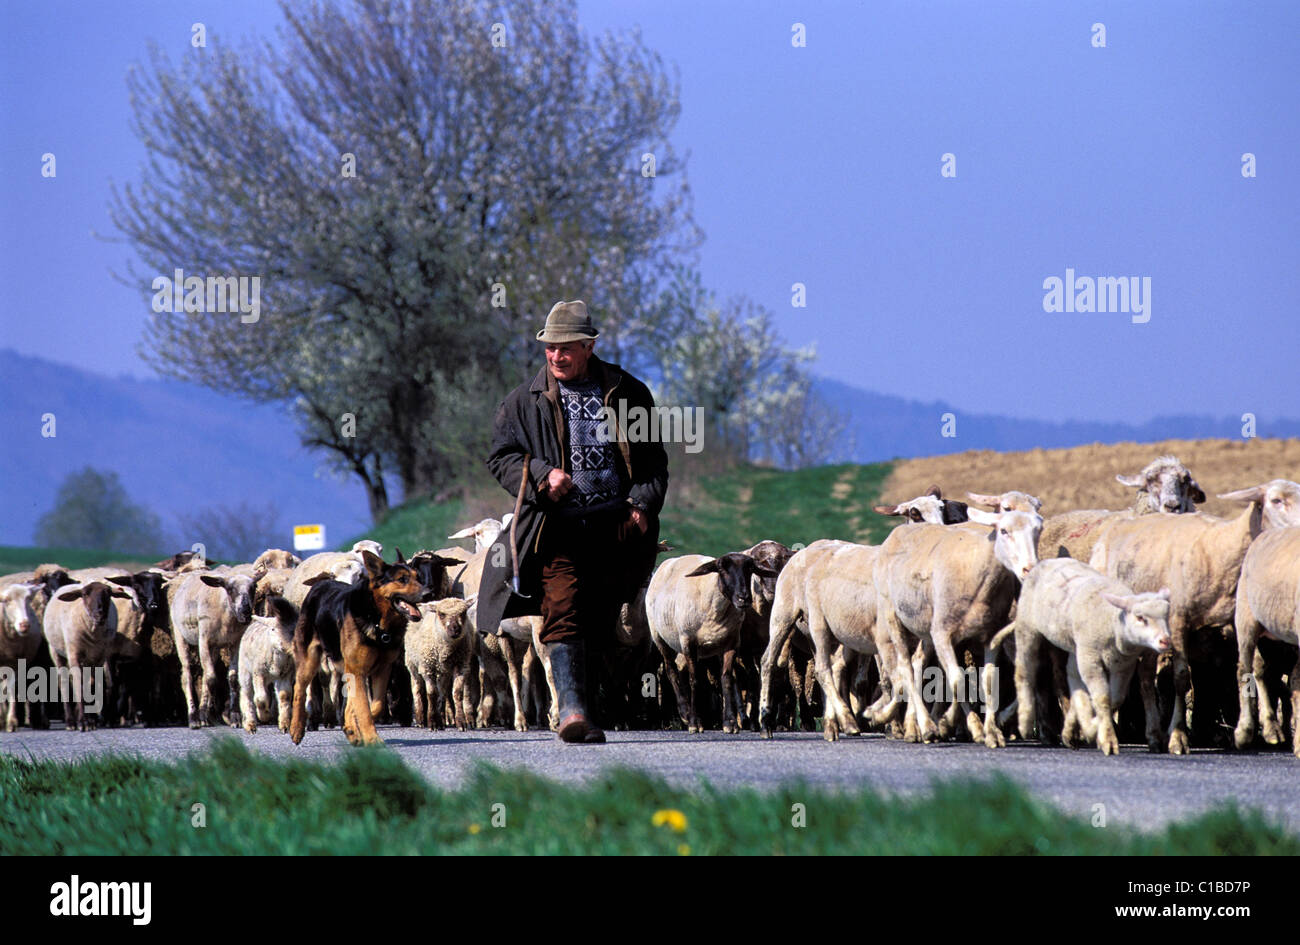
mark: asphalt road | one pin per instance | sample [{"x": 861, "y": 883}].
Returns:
[{"x": 1135, "y": 787}]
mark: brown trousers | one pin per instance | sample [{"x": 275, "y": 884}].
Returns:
[{"x": 590, "y": 566}]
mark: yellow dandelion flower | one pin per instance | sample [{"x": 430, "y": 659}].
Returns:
[
  {"x": 474, "y": 828},
  {"x": 683, "y": 850},
  {"x": 671, "y": 818}
]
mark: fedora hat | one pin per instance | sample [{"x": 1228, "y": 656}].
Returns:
[{"x": 567, "y": 321}]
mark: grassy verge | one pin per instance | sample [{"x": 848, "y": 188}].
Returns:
[
  {"x": 370, "y": 803},
  {"x": 14, "y": 558}
]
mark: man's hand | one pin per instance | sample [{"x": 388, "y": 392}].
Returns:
[
  {"x": 639, "y": 520},
  {"x": 558, "y": 482}
]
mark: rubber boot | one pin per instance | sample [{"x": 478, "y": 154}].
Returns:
[{"x": 569, "y": 667}]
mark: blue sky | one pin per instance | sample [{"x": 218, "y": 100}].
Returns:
[{"x": 821, "y": 165}]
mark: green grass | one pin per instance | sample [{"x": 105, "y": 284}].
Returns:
[
  {"x": 370, "y": 803},
  {"x": 736, "y": 509},
  {"x": 14, "y": 558},
  {"x": 414, "y": 525}
]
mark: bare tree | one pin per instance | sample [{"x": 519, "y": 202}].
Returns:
[
  {"x": 234, "y": 532},
  {"x": 415, "y": 182}
]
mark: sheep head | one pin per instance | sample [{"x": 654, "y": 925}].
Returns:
[
  {"x": 1168, "y": 485},
  {"x": 734, "y": 571},
  {"x": 1015, "y": 538},
  {"x": 1144, "y": 618},
  {"x": 16, "y": 601},
  {"x": 1279, "y": 499},
  {"x": 1012, "y": 501}
]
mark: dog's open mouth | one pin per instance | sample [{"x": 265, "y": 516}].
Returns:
[{"x": 407, "y": 609}]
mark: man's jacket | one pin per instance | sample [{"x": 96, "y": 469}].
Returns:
[{"x": 531, "y": 420}]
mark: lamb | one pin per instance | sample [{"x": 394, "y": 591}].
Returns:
[
  {"x": 209, "y": 609},
  {"x": 81, "y": 628},
  {"x": 1199, "y": 558},
  {"x": 266, "y": 663},
  {"x": 20, "y": 640},
  {"x": 949, "y": 584},
  {"x": 700, "y": 618},
  {"x": 1102, "y": 624},
  {"x": 484, "y": 532},
  {"x": 439, "y": 651},
  {"x": 1268, "y": 601}
]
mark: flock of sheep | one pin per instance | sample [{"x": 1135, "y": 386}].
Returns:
[{"x": 765, "y": 637}]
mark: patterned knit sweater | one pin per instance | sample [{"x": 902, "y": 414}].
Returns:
[{"x": 596, "y": 484}]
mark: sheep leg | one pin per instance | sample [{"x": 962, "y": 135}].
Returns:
[
  {"x": 691, "y": 652},
  {"x": 943, "y": 648},
  {"x": 1269, "y": 726},
  {"x": 284, "y": 701},
  {"x": 782, "y": 625},
  {"x": 1294, "y": 685},
  {"x": 252, "y": 715},
  {"x": 993, "y": 736},
  {"x": 919, "y": 726},
  {"x": 1150, "y": 701},
  {"x": 418, "y": 718},
  {"x": 553, "y": 713},
  {"x": 232, "y": 686},
  {"x": 458, "y": 700},
  {"x": 675, "y": 679},
  {"x": 185, "y": 655},
  {"x": 208, "y": 689},
  {"x": 307, "y": 661},
  {"x": 1093, "y": 674},
  {"x": 508, "y": 647},
  {"x": 1027, "y": 644},
  {"x": 837, "y": 715},
  {"x": 1178, "y": 740},
  {"x": 11, "y": 709},
  {"x": 1247, "y": 643},
  {"x": 728, "y": 692}
]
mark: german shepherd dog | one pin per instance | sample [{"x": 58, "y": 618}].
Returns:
[{"x": 360, "y": 625}]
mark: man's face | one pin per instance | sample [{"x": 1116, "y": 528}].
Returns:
[{"x": 568, "y": 361}]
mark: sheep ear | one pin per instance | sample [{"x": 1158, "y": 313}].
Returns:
[
  {"x": 71, "y": 592},
  {"x": 317, "y": 578},
  {"x": 505, "y": 519},
  {"x": 886, "y": 509},
  {"x": 1197, "y": 493},
  {"x": 708, "y": 567},
  {"x": 980, "y": 517},
  {"x": 1164, "y": 593},
  {"x": 123, "y": 580},
  {"x": 463, "y": 533},
  {"x": 935, "y": 491},
  {"x": 1137, "y": 482},
  {"x": 211, "y": 580},
  {"x": 764, "y": 572},
  {"x": 471, "y": 600},
  {"x": 980, "y": 498},
  {"x": 445, "y": 562},
  {"x": 1123, "y": 603},
  {"x": 1253, "y": 494}
]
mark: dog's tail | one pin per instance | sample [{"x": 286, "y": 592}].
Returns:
[{"x": 304, "y": 631}]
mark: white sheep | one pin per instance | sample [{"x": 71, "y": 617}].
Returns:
[
  {"x": 1268, "y": 602},
  {"x": 81, "y": 629},
  {"x": 950, "y": 584},
  {"x": 266, "y": 666},
  {"x": 20, "y": 639},
  {"x": 695, "y": 606},
  {"x": 484, "y": 532},
  {"x": 1104, "y": 627},
  {"x": 439, "y": 651},
  {"x": 210, "y": 610},
  {"x": 1198, "y": 557}
]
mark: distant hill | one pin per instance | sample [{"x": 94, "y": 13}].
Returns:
[
  {"x": 885, "y": 427},
  {"x": 177, "y": 448}
]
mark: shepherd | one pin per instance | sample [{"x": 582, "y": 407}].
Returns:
[{"x": 587, "y": 499}]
